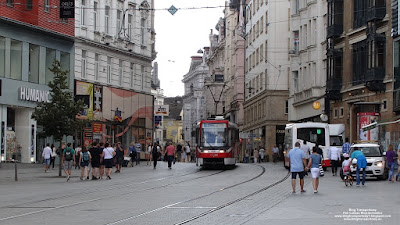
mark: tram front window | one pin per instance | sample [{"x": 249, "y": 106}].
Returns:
[{"x": 214, "y": 135}]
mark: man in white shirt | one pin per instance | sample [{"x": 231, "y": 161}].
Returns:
[
  {"x": 334, "y": 156},
  {"x": 46, "y": 157},
  {"x": 306, "y": 150}
]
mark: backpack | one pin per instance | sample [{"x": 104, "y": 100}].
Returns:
[
  {"x": 68, "y": 154},
  {"x": 85, "y": 156},
  {"x": 155, "y": 150}
]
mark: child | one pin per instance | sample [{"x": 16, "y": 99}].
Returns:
[{"x": 346, "y": 164}]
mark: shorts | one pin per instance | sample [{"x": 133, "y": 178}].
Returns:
[
  {"x": 108, "y": 163},
  {"x": 119, "y": 160},
  {"x": 84, "y": 164},
  {"x": 314, "y": 172},
  {"x": 301, "y": 175},
  {"x": 47, "y": 162},
  {"x": 102, "y": 162},
  {"x": 95, "y": 163},
  {"x": 68, "y": 164}
]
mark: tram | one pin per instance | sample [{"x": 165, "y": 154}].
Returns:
[{"x": 217, "y": 143}]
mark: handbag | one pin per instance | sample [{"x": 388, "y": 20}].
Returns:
[{"x": 321, "y": 171}]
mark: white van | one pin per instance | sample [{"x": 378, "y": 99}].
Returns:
[{"x": 336, "y": 135}]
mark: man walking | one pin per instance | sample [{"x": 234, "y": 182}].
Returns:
[
  {"x": 68, "y": 160},
  {"x": 138, "y": 148},
  {"x": 275, "y": 152},
  {"x": 334, "y": 156},
  {"x": 297, "y": 162},
  {"x": 361, "y": 164},
  {"x": 155, "y": 153},
  {"x": 47, "y": 153},
  {"x": 170, "y": 154},
  {"x": 95, "y": 152}
]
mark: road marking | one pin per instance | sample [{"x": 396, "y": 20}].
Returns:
[{"x": 192, "y": 207}]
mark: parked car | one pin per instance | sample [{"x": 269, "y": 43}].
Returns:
[{"x": 376, "y": 160}]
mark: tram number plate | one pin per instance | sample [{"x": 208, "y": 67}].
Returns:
[{"x": 214, "y": 155}]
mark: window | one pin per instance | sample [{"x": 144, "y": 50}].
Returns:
[
  {"x": 132, "y": 70},
  {"x": 29, "y": 5},
  {"x": 83, "y": 64},
  {"x": 286, "y": 107},
  {"x": 34, "y": 56},
  {"x": 262, "y": 25},
  {"x": 47, "y": 6},
  {"x": 261, "y": 53},
  {"x": 296, "y": 41},
  {"x": 142, "y": 71},
  {"x": 10, "y": 3},
  {"x": 257, "y": 56},
  {"x": 130, "y": 27},
  {"x": 50, "y": 56},
  {"x": 360, "y": 9},
  {"x": 359, "y": 62},
  {"x": 119, "y": 25},
  {"x": 83, "y": 12},
  {"x": 120, "y": 73},
  {"x": 96, "y": 67},
  {"x": 107, "y": 20},
  {"x": 384, "y": 105},
  {"x": 266, "y": 22},
  {"x": 296, "y": 6},
  {"x": 305, "y": 36},
  {"x": 16, "y": 59},
  {"x": 341, "y": 113},
  {"x": 2, "y": 56},
  {"x": 65, "y": 64},
  {"x": 266, "y": 51},
  {"x": 335, "y": 114},
  {"x": 296, "y": 80},
  {"x": 95, "y": 16},
  {"x": 261, "y": 81},
  {"x": 142, "y": 31},
  {"x": 108, "y": 69}
]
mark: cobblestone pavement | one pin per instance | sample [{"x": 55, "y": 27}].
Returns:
[{"x": 248, "y": 194}]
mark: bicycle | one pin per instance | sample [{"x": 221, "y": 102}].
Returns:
[{"x": 348, "y": 180}]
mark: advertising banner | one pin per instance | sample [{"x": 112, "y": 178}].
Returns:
[
  {"x": 92, "y": 96},
  {"x": 364, "y": 119},
  {"x": 161, "y": 110}
]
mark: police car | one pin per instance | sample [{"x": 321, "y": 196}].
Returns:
[{"x": 376, "y": 160}]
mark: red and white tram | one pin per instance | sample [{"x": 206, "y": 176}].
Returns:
[{"x": 217, "y": 142}]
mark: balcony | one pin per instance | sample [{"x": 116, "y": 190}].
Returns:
[
  {"x": 334, "y": 30},
  {"x": 374, "y": 79},
  {"x": 376, "y": 13},
  {"x": 333, "y": 87}
]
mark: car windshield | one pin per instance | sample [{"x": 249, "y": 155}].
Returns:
[{"x": 368, "y": 151}]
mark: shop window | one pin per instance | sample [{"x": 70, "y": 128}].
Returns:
[
  {"x": 2, "y": 56},
  {"x": 16, "y": 59},
  {"x": 50, "y": 56},
  {"x": 34, "y": 57}
]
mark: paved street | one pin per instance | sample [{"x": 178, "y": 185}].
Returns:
[{"x": 248, "y": 194}]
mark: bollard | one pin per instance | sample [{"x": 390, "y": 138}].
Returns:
[{"x": 16, "y": 175}]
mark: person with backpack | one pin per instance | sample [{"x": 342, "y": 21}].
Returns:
[
  {"x": 68, "y": 160},
  {"x": 155, "y": 154},
  {"x": 84, "y": 159}
]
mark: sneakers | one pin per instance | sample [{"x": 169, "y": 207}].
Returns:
[
  {"x": 108, "y": 178},
  {"x": 94, "y": 178},
  {"x": 68, "y": 178},
  {"x": 302, "y": 191},
  {"x": 357, "y": 185},
  {"x": 315, "y": 191}
]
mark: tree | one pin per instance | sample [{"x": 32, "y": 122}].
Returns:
[{"x": 58, "y": 117}]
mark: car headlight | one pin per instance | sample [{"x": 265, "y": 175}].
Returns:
[{"x": 378, "y": 163}]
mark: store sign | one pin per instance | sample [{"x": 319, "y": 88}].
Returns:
[
  {"x": 33, "y": 95},
  {"x": 316, "y": 105},
  {"x": 118, "y": 115},
  {"x": 67, "y": 8},
  {"x": 161, "y": 110}
]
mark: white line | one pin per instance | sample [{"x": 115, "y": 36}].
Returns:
[{"x": 194, "y": 207}]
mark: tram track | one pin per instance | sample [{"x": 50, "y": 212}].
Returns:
[
  {"x": 47, "y": 209},
  {"x": 192, "y": 199}
]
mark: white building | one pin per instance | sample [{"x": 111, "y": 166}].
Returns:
[
  {"x": 307, "y": 59},
  {"x": 159, "y": 97}
]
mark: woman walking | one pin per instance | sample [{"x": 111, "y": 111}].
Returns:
[
  {"x": 391, "y": 157},
  {"x": 119, "y": 155},
  {"x": 148, "y": 154},
  {"x": 53, "y": 155},
  {"x": 84, "y": 159},
  {"x": 315, "y": 160},
  {"x": 155, "y": 153},
  {"x": 108, "y": 154}
]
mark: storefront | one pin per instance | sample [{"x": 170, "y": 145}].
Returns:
[{"x": 115, "y": 115}]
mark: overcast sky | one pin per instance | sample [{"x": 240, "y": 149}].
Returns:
[{"x": 180, "y": 36}]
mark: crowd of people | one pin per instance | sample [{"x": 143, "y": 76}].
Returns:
[{"x": 100, "y": 158}]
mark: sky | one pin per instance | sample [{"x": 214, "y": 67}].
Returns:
[{"x": 180, "y": 36}]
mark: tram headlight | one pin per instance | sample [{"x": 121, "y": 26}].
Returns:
[
  {"x": 205, "y": 151},
  {"x": 221, "y": 151}
]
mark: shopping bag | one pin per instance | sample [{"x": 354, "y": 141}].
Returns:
[{"x": 321, "y": 171}]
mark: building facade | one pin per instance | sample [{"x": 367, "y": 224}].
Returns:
[
  {"x": 194, "y": 102},
  {"x": 173, "y": 122},
  {"x": 159, "y": 97},
  {"x": 396, "y": 64},
  {"x": 267, "y": 71},
  {"x": 307, "y": 78},
  {"x": 31, "y": 37},
  {"x": 360, "y": 81},
  {"x": 114, "y": 50}
]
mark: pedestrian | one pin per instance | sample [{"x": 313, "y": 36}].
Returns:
[
  {"x": 255, "y": 155},
  {"x": 183, "y": 156},
  {"x": 148, "y": 154},
  {"x": 334, "y": 156},
  {"x": 361, "y": 165},
  {"x": 391, "y": 161},
  {"x": 138, "y": 148},
  {"x": 77, "y": 155},
  {"x": 275, "y": 152},
  {"x": 68, "y": 160},
  {"x": 246, "y": 157},
  {"x": 261, "y": 152},
  {"x": 170, "y": 153},
  {"x": 155, "y": 154},
  {"x": 119, "y": 157},
  {"x": 132, "y": 152},
  {"x": 297, "y": 162},
  {"x": 179, "y": 152},
  {"x": 108, "y": 154},
  {"x": 53, "y": 156},
  {"x": 47, "y": 154},
  {"x": 313, "y": 164},
  {"x": 346, "y": 146},
  {"x": 101, "y": 168},
  {"x": 84, "y": 160},
  {"x": 95, "y": 153},
  {"x": 187, "y": 150},
  {"x": 306, "y": 149}
]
